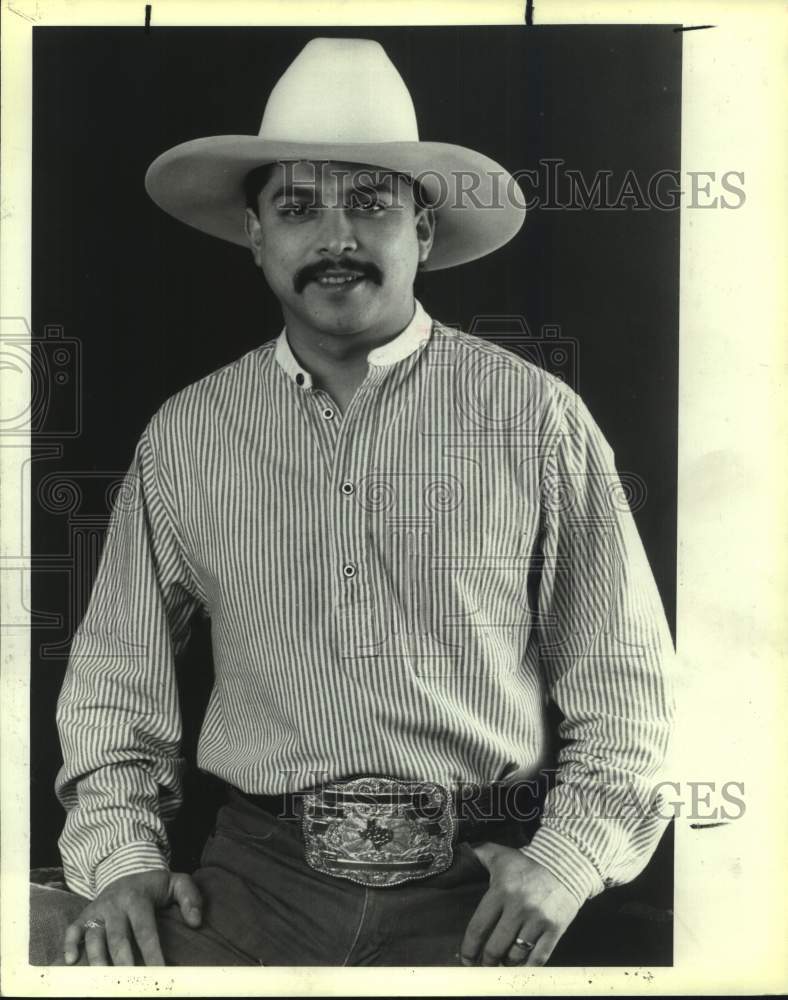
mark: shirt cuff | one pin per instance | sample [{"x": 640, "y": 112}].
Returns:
[
  {"x": 564, "y": 859},
  {"x": 131, "y": 859}
]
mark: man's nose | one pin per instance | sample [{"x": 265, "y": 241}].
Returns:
[{"x": 337, "y": 235}]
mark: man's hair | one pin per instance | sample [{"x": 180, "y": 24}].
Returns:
[{"x": 254, "y": 182}]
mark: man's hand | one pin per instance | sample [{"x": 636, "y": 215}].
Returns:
[
  {"x": 124, "y": 914},
  {"x": 521, "y": 916}
]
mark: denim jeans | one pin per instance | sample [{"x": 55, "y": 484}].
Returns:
[{"x": 264, "y": 905}]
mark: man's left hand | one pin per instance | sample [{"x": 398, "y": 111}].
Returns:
[{"x": 523, "y": 914}]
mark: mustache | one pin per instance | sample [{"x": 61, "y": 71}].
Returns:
[{"x": 313, "y": 271}]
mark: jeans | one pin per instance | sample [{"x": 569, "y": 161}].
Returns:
[{"x": 264, "y": 905}]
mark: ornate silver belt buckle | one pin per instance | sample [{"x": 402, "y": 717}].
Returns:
[{"x": 379, "y": 831}]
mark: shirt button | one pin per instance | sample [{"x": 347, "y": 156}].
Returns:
[
  {"x": 349, "y": 570},
  {"x": 300, "y": 378},
  {"x": 328, "y": 413},
  {"x": 347, "y": 489}
]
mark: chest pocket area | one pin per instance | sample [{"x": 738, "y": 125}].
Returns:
[{"x": 453, "y": 556}]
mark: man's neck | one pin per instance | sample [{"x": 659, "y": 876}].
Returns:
[{"x": 337, "y": 364}]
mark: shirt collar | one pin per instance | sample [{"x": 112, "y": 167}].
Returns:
[{"x": 402, "y": 346}]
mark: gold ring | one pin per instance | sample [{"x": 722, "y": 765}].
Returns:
[{"x": 522, "y": 943}]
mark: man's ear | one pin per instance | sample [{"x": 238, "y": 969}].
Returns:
[
  {"x": 425, "y": 232},
  {"x": 253, "y": 233}
]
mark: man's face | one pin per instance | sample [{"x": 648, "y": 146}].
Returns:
[{"x": 339, "y": 244}]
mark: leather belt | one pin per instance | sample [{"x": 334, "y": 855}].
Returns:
[{"x": 381, "y": 831}]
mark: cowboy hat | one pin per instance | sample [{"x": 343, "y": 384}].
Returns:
[{"x": 343, "y": 100}]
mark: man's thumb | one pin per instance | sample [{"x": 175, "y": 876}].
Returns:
[{"x": 187, "y": 896}]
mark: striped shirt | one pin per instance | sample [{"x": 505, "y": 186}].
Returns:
[{"x": 396, "y": 589}]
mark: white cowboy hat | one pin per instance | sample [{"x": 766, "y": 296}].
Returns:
[{"x": 342, "y": 99}]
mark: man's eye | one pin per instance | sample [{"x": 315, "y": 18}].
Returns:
[
  {"x": 371, "y": 205},
  {"x": 292, "y": 209}
]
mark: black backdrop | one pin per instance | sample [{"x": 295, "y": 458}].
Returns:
[{"x": 149, "y": 305}]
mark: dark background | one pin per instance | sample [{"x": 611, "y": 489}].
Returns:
[{"x": 154, "y": 305}]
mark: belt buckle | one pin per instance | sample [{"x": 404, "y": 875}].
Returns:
[{"x": 378, "y": 831}]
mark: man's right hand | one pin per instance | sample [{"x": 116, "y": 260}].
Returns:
[{"x": 124, "y": 915}]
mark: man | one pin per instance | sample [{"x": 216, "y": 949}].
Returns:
[{"x": 407, "y": 540}]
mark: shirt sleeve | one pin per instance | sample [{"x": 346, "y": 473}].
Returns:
[
  {"x": 608, "y": 660},
  {"x": 118, "y": 713}
]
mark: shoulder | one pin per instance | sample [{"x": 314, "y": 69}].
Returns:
[
  {"x": 504, "y": 378},
  {"x": 470, "y": 348},
  {"x": 186, "y": 412}
]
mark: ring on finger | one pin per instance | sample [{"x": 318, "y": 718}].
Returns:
[
  {"x": 93, "y": 924},
  {"x": 524, "y": 944}
]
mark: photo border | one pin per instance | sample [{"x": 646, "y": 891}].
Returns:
[{"x": 730, "y": 920}]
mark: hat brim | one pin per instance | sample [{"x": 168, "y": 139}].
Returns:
[{"x": 479, "y": 206}]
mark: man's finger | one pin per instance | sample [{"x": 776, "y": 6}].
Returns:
[
  {"x": 143, "y": 923},
  {"x": 96, "y": 946},
  {"x": 501, "y": 938},
  {"x": 544, "y": 948},
  {"x": 188, "y": 898},
  {"x": 479, "y": 926},
  {"x": 72, "y": 941},
  {"x": 523, "y": 945},
  {"x": 119, "y": 941}
]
